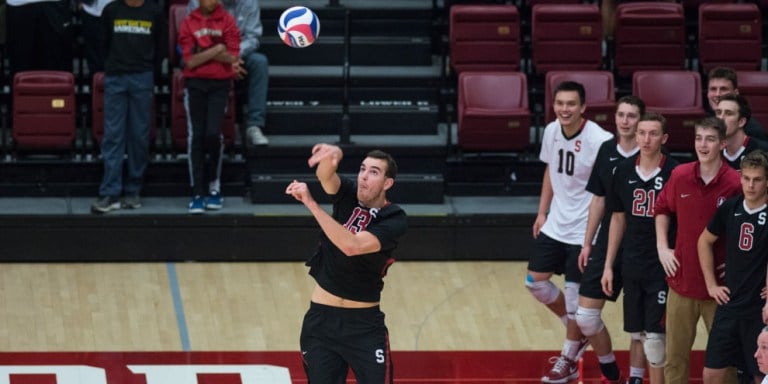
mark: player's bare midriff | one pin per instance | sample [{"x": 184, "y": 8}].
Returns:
[{"x": 321, "y": 296}]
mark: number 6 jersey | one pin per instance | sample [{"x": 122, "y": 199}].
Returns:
[
  {"x": 746, "y": 244},
  {"x": 570, "y": 161}
]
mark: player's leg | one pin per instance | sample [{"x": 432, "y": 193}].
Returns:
[
  {"x": 565, "y": 367},
  {"x": 655, "y": 299},
  {"x": 749, "y": 331},
  {"x": 575, "y": 342},
  {"x": 707, "y": 309},
  {"x": 322, "y": 364},
  {"x": 588, "y": 315},
  {"x": 723, "y": 348},
  {"x": 682, "y": 317},
  {"x": 367, "y": 345},
  {"x": 637, "y": 360},
  {"x": 548, "y": 258}
]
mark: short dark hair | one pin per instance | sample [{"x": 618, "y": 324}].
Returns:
[
  {"x": 391, "y": 171},
  {"x": 756, "y": 159},
  {"x": 655, "y": 116},
  {"x": 572, "y": 86},
  {"x": 713, "y": 123},
  {"x": 724, "y": 73},
  {"x": 745, "y": 110},
  {"x": 633, "y": 100}
]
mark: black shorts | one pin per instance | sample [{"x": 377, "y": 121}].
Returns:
[
  {"x": 336, "y": 339},
  {"x": 552, "y": 256},
  {"x": 645, "y": 305},
  {"x": 732, "y": 341},
  {"x": 593, "y": 273}
]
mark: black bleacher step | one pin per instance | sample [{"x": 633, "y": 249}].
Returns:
[
  {"x": 393, "y": 117},
  {"x": 299, "y": 117},
  {"x": 408, "y": 188},
  {"x": 364, "y": 50}
]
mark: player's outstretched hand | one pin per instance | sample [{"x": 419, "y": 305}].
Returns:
[
  {"x": 325, "y": 152},
  {"x": 720, "y": 293},
  {"x": 299, "y": 191},
  {"x": 584, "y": 256},
  {"x": 668, "y": 261},
  {"x": 607, "y": 282}
]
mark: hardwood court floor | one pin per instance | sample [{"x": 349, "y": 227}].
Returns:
[{"x": 430, "y": 306}]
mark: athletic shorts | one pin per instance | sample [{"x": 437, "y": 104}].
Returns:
[
  {"x": 645, "y": 305},
  {"x": 336, "y": 339},
  {"x": 591, "y": 285},
  {"x": 732, "y": 341},
  {"x": 552, "y": 256}
]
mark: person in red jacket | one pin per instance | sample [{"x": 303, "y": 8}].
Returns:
[
  {"x": 210, "y": 45},
  {"x": 691, "y": 196}
]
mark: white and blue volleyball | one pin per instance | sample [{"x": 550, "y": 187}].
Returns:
[{"x": 298, "y": 27}]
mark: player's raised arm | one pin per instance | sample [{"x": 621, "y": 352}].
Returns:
[{"x": 326, "y": 158}]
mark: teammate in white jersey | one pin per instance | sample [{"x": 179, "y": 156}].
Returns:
[{"x": 569, "y": 148}]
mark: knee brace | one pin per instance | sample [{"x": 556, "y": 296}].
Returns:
[
  {"x": 544, "y": 291},
  {"x": 638, "y": 336},
  {"x": 571, "y": 298},
  {"x": 589, "y": 321},
  {"x": 655, "y": 349}
]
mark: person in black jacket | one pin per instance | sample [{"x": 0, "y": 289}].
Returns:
[{"x": 133, "y": 33}]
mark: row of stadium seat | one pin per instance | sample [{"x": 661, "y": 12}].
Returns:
[
  {"x": 44, "y": 112},
  {"x": 648, "y": 36},
  {"x": 494, "y": 112}
]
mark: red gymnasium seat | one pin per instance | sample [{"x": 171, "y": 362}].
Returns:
[
  {"x": 493, "y": 111},
  {"x": 176, "y": 14},
  {"x": 599, "y": 90},
  {"x": 754, "y": 86},
  {"x": 566, "y": 36},
  {"x": 44, "y": 110},
  {"x": 678, "y": 96},
  {"x": 649, "y": 36},
  {"x": 730, "y": 35},
  {"x": 484, "y": 37}
]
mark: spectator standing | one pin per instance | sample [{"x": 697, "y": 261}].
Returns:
[
  {"x": 210, "y": 46},
  {"x": 134, "y": 32},
  {"x": 254, "y": 66},
  {"x": 691, "y": 196}
]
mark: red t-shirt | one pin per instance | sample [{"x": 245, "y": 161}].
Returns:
[{"x": 686, "y": 198}]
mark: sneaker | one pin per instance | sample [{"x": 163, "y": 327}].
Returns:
[
  {"x": 197, "y": 205},
  {"x": 105, "y": 204},
  {"x": 130, "y": 202},
  {"x": 583, "y": 344},
  {"x": 214, "y": 201},
  {"x": 563, "y": 370},
  {"x": 256, "y": 137},
  {"x": 635, "y": 380}
]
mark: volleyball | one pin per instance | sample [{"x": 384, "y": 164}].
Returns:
[{"x": 298, "y": 27}]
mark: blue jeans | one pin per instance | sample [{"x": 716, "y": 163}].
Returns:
[
  {"x": 127, "y": 111},
  {"x": 257, "y": 66}
]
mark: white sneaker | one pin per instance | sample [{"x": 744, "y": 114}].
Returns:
[{"x": 256, "y": 137}]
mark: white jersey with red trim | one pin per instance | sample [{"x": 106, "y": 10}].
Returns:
[{"x": 570, "y": 162}]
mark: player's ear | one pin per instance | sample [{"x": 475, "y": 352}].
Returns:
[{"x": 388, "y": 183}]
